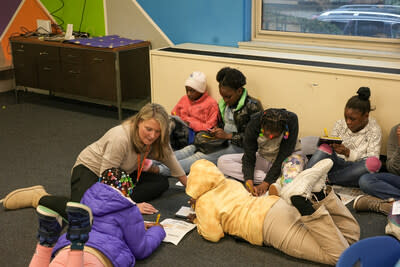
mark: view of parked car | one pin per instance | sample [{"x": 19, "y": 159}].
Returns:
[{"x": 365, "y": 20}]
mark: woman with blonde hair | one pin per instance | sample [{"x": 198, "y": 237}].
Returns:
[{"x": 129, "y": 146}]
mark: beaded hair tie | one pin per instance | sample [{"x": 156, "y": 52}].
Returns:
[{"x": 118, "y": 179}]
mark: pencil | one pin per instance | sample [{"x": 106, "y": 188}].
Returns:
[
  {"x": 249, "y": 187},
  {"x": 326, "y": 132},
  {"x": 158, "y": 218}
]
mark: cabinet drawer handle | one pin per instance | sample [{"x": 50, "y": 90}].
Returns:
[
  {"x": 43, "y": 53},
  {"x": 74, "y": 72},
  {"x": 71, "y": 56},
  {"x": 98, "y": 59},
  {"x": 47, "y": 68},
  {"x": 20, "y": 50}
]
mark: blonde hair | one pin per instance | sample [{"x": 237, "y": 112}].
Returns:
[{"x": 161, "y": 146}]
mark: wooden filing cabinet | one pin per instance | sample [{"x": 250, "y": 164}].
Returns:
[{"x": 112, "y": 76}]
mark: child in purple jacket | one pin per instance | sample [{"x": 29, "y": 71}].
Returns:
[{"x": 105, "y": 229}]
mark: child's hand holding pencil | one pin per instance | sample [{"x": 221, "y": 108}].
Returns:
[
  {"x": 148, "y": 225},
  {"x": 250, "y": 187}
]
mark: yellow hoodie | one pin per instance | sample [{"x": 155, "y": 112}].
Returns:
[{"x": 225, "y": 206}]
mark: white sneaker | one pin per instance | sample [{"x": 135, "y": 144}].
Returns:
[
  {"x": 320, "y": 184},
  {"x": 304, "y": 183},
  {"x": 324, "y": 168}
]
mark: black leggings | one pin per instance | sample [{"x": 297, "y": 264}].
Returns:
[
  {"x": 149, "y": 187},
  {"x": 81, "y": 180}
]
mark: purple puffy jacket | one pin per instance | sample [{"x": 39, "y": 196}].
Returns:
[{"x": 118, "y": 229}]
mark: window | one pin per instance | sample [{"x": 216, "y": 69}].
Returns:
[{"x": 372, "y": 24}]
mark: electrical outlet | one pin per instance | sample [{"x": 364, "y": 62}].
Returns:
[{"x": 43, "y": 26}]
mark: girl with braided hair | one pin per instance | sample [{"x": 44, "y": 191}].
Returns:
[{"x": 270, "y": 143}]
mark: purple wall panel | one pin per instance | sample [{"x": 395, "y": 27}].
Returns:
[{"x": 7, "y": 10}]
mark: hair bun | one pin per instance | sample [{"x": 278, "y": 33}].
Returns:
[{"x": 364, "y": 93}]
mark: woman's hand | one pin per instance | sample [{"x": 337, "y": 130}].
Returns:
[
  {"x": 183, "y": 180},
  {"x": 220, "y": 134},
  {"x": 146, "y": 208},
  {"x": 341, "y": 149},
  {"x": 192, "y": 203},
  {"x": 191, "y": 217},
  {"x": 148, "y": 225},
  {"x": 261, "y": 189}
]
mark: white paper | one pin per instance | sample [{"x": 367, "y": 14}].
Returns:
[
  {"x": 179, "y": 183},
  {"x": 347, "y": 193},
  {"x": 184, "y": 211},
  {"x": 396, "y": 208},
  {"x": 176, "y": 230}
]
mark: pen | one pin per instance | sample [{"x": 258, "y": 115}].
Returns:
[
  {"x": 326, "y": 132},
  {"x": 158, "y": 218}
]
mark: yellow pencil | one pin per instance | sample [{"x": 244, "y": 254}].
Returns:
[
  {"x": 158, "y": 217},
  {"x": 326, "y": 132},
  {"x": 249, "y": 187}
]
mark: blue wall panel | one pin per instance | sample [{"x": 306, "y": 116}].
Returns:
[{"x": 216, "y": 22}]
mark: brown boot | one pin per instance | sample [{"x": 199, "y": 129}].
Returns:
[
  {"x": 24, "y": 198},
  {"x": 370, "y": 203}
]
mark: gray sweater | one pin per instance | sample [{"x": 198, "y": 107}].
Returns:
[{"x": 393, "y": 152}]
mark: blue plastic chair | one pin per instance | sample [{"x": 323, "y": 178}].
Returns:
[{"x": 382, "y": 251}]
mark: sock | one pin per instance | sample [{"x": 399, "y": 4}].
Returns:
[
  {"x": 76, "y": 245},
  {"x": 303, "y": 205}
]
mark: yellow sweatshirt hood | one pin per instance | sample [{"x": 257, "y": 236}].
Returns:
[
  {"x": 203, "y": 177},
  {"x": 224, "y": 205}
]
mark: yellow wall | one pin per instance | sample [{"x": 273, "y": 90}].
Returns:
[{"x": 317, "y": 95}]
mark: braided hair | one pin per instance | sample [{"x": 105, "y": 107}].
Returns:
[
  {"x": 275, "y": 120},
  {"x": 119, "y": 179}
]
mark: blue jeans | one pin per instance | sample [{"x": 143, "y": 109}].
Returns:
[
  {"x": 343, "y": 172},
  {"x": 383, "y": 185},
  {"x": 188, "y": 155}
]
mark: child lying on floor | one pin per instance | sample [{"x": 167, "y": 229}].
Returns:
[{"x": 293, "y": 223}]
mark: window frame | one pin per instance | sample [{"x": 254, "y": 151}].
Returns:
[{"x": 320, "y": 40}]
